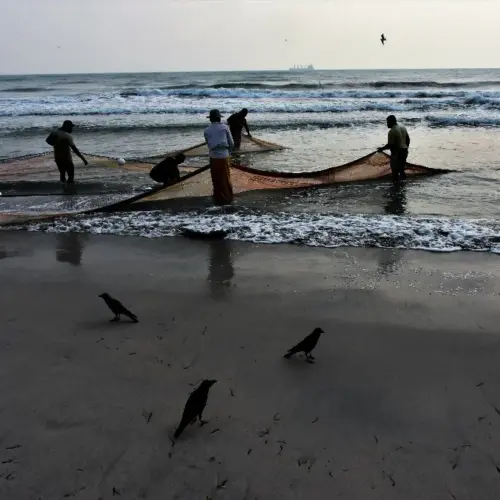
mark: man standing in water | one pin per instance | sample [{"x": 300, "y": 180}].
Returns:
[
  {"x": 236, "y": 123},
  {"x": 62, "y": 143},
  {"x": 398, "y": 142},
  {"x": 220, "y": 143}
]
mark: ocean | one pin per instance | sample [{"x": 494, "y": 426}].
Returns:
[{"x": 326, "y": 118}]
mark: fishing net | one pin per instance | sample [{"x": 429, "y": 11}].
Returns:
[
  {"x": 30, "y": 186},
  {"x": 35, "y": 191},
  {"x": 42, "y": 168},
  {"x": 248, "y": 145},
  {"x": 244, "y": 179}
]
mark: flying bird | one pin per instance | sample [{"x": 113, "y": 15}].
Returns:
[
  {"x": 306, "y": 345},
  {"x": 195, "y": 405},
  {"x": 383, "y": 39},
  {"x": 118, "y": 308}
]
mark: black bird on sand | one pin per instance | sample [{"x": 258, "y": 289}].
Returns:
[
  {"x": 383, "y": 39},
  {"x": 194, "y": 406},
  {"x": 306, "y": 345},
  {"x": 118, "y": 308}
]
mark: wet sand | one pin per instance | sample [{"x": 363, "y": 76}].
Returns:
[{"x": 400, "y": 403}]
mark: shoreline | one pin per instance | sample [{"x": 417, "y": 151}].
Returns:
[
  {"x": 247, "y": 221},
  {"x": 400, "y": 403}
]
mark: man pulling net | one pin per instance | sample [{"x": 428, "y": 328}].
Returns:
[
  {"x": 62, "y": 142},
  {"x": 398, "y": 142},
  {"x": 237, "y": 122},
  {"x": 167, "y": 171}
]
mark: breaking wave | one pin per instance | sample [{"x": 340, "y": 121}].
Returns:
[
  {"x": 314, "y": 92},
  {"x": 378, "y": 84},
  {"x": 287, "y": 121},
  {"x": 106, "y": 106},
  {"x": 27, "y": 89},
  {"x": 320, "y": 230},
  {"x": 462, "y": 121}
]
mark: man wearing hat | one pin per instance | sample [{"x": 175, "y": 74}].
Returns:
[
  {"x": 63, "y": 143},
  {"x": 220, "y": 144}
]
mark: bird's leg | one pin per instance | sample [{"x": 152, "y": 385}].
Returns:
[
  {"x": 116, "y": 318},
  {"x": 309, "y": 358},
  {"x": 202, "y": 422}
]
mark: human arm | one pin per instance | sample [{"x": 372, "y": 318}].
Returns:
[
  {"x": 76, "y": 150},
  {"x": 245, "y": 124},
  {"x": 77, "y": 153},
  {"x": 230, "y": 139},
  {"x": 390, "y": 142},
  {"x": 407, "y": 140}
]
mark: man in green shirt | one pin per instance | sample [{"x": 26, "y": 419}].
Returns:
[{"x": 398, "y": 142}]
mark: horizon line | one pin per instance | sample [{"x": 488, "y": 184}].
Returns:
[{"x": 240, "y": 71}]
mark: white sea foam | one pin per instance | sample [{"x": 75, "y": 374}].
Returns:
[
  {"x": 190, "y": 101},
  {"x": 322, "y": 230}
]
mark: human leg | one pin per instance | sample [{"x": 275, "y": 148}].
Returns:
[
  {"x": 221, "y": 181},
  {"x": 402, "y": 157},
  {"x": 394, "y": 168},
  {"x": 70, "y": 169},
  {"x": 62, "y": 170},
  {"x": 236, "y": 138}
]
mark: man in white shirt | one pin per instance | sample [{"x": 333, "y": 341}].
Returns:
[{"x": 220, "y": 144}]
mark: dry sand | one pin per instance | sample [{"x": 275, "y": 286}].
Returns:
[{"x": 399, "y": 405}]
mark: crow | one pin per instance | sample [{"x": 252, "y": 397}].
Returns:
[
  {"x": 118, "y": 308},
  {"x": 194, "y": 406},
  {"x": 383, "y": 39},
  {"x": 306, "y": 345}
]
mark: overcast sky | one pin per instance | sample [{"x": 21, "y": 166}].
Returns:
[{"x": 176, "y": 35}]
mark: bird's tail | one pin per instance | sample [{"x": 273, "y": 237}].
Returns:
[
  {"x": 132, "y": 316},
  {"x": 288, "y": 354}
]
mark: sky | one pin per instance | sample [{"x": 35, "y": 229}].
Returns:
[{"x": 85, "y": 36}]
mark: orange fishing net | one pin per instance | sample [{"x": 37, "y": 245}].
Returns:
[
  {"x": 198, "y": 184},
  {"x": 194, "y": 184}
]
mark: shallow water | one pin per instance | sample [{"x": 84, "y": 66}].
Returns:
[{"x": 326, "y": 119}]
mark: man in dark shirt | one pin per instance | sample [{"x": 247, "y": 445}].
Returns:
[
  {"x": 63, "y": 144},
  {"x": 236, "y": 123},
  {"x": 167, "y": 171}
]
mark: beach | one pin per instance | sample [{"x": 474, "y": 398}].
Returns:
[{"x": 402, "y": 402}]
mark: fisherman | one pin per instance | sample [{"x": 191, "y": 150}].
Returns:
[
  {"x": 398, "y": 142},
  {"x": 62, "y": 142},
  {"x": 236, "y": 123},
  {"x": 220, "y": 143},
  {"x": 167, "y": 171}
]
